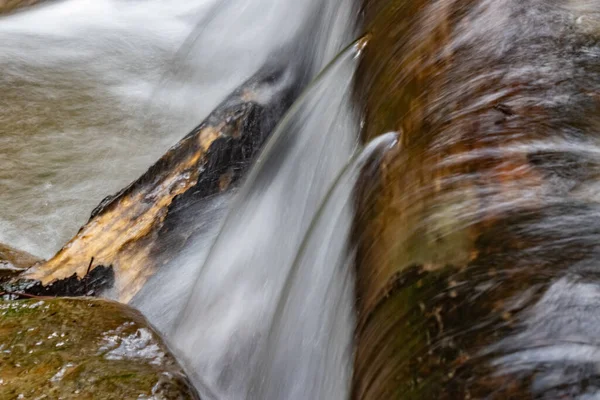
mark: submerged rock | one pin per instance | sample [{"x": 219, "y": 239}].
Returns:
[
  {"x": 477, "y": 265},
  {"x": 83, "y": 349},
  {"x": 11, "y": 257}
]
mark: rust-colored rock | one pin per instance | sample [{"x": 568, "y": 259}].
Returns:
[{"x": 478, "y": 236}]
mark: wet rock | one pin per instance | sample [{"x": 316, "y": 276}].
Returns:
[
  {"x": 7, "y": 6},
  {"x": 16, "y": 258},
  {"x": 84, "y": 349},
  {"x": 13, "y": 261},
  {"x": 92, "y": 284},
  {"x": 477, "y": 268},
  {"x": 141, "y": 228}
]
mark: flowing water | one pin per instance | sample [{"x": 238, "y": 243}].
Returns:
[
  {"x": 262, "y": 234},
  {"x": 308, "y": 348},
  {"x": 485, "y": 249},
  {"x": 94, "y": 91},
  {"x": 478, "y": 277}
]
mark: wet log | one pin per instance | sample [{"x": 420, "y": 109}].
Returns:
[
  {"x": 132, "y": 234},
  {"x": 477, "y": 265}
]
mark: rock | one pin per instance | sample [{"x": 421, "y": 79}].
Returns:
[
  {"x": 477, "y": 237},
  {"x": 84, "y": 349},
  {"x": 13, "y": 261},
  {"x": 7, "y": 6},
  {"x": 16, "y": 258},
  {"x": 141, "y": 228}
]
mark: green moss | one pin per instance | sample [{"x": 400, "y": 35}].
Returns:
[{"x": 84, "y": 349}]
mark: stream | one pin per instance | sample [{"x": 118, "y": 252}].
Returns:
[{"x": 94, "y": 91}]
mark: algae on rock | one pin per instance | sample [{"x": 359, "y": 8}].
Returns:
[{"x": 84, "y": 349}]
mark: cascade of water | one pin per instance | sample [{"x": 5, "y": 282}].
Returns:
[
  {"x": 101, "y": 63},
  {"x": 309, "y": 347},
  {"x": 226, "y": 321},
  {"x": 324, "y": 28},
  {"x": 76, "y": 122}
]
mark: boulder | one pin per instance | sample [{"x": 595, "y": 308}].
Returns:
[{"x": 477, "y": 264}]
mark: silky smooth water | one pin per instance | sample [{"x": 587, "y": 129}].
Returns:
[
  {"x": 94, "y": 91},
  {"x": 308, "y": 350},
  {"x": 222, "y": 333},
  {"x": 493, "y": 198}
]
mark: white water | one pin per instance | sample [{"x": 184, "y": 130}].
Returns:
[
  {"x": 222, "y": 333},
  {"x": 92, "y": 92},
  {"x": 95, "y": 90},
  {"x": 309, "y": 346}
]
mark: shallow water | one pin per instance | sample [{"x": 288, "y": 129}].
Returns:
[
  {"x": 479, "y": 268},
  {"x": 76, "y": 76}
]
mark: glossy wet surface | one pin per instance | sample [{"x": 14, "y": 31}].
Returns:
[
  {"x": 479, "y": 262},
  {"x": 83, "y": 349}
]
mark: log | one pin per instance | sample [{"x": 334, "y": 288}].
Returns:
[
  {"x": 477, "y": 271},
  {"x": 133, "y": 233}
]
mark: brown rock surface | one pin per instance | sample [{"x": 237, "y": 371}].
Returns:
[
  {"x": 477, "y": 237},
  {"x": 7, "y": 6}
]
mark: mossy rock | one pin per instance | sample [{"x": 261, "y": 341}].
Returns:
[{"x": 84, "y": 349}]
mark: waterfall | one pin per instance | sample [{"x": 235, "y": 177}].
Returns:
[
  {"x": 223, "y": 329},
  {"x": 469, "y": 269},
  {"x": 125, "y": 80},
  {"x": 308, "y": 350},
  {"x": 94, "y": 91}
]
